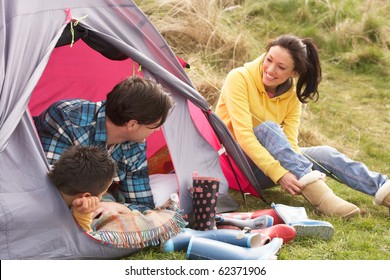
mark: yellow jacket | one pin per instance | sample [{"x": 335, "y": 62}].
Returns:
[{"x": 244, "y": 104}]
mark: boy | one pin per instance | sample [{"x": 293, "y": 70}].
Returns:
[{"x": 82, "y": 175}]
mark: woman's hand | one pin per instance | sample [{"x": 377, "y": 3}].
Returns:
[{"x": 290, "y": 184}]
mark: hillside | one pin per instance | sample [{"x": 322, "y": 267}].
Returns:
[{"x": 352, "y": 114}]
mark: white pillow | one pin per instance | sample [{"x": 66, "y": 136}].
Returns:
[{"x": 163, "y": 185}]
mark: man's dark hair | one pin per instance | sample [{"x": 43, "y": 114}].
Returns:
[
  {"x": 138, "y": 99},
  {"x": 83, "y": 169}
]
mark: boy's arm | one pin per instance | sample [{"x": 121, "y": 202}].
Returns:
[
  {"x": 82, "y": 209},
  {"x": 84, "y": 220}
]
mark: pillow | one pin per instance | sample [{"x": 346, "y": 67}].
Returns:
[{"x": 163, "y": 185}]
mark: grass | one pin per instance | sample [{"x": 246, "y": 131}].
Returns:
[{"x": 352, "y": 115}]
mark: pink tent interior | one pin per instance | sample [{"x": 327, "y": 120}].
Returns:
[{"x": 78, "y": 71}]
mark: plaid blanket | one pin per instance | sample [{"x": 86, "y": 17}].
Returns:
[{"x": 138, "y": 230}]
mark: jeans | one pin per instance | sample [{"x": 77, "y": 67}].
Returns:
[{"x": 325, "y": 159}]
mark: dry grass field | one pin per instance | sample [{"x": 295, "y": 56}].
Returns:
[{"x": 353, "y": 113}]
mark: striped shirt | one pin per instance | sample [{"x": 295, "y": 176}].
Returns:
[{"x": 81, "y": 122}]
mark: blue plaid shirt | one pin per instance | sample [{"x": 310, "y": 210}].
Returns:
[{"x": 81, "y": 122}]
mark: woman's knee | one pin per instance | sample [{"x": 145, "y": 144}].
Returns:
[
  {"x": 267, "y": 126},
  {"x": 320, "y": 151}
]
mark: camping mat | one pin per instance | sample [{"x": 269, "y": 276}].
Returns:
[{"x": 139, "y": 230}]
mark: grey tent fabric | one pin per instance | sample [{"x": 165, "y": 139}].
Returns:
[{"x": 34, "y": 221}]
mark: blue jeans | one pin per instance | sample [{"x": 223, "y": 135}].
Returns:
[{"x": 325, "y": 159}]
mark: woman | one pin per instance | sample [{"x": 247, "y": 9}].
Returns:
[{"x": 261, "y": 105}]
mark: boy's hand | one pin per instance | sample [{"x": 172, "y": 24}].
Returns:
[
  {"x": 86, "y": 205},
  {"x": 113, "y": 208}
]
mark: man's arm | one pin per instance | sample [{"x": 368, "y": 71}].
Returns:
[
  {"x": 133, "y": 175},
  {"x": 53, "y": 133}
]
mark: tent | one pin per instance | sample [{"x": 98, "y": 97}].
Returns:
[{"x": 34, "y": 221}]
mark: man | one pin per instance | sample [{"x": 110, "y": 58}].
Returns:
[{"x": 133, "y": 110}]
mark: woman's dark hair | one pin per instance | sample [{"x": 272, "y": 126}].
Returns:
[
  {"x": 306, "y": 63},
  {"x": 83, "y": 169},
  {"x": 138, "y": 99}
]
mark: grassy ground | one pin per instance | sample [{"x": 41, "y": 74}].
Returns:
[{"x": 353, "y": 113}]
